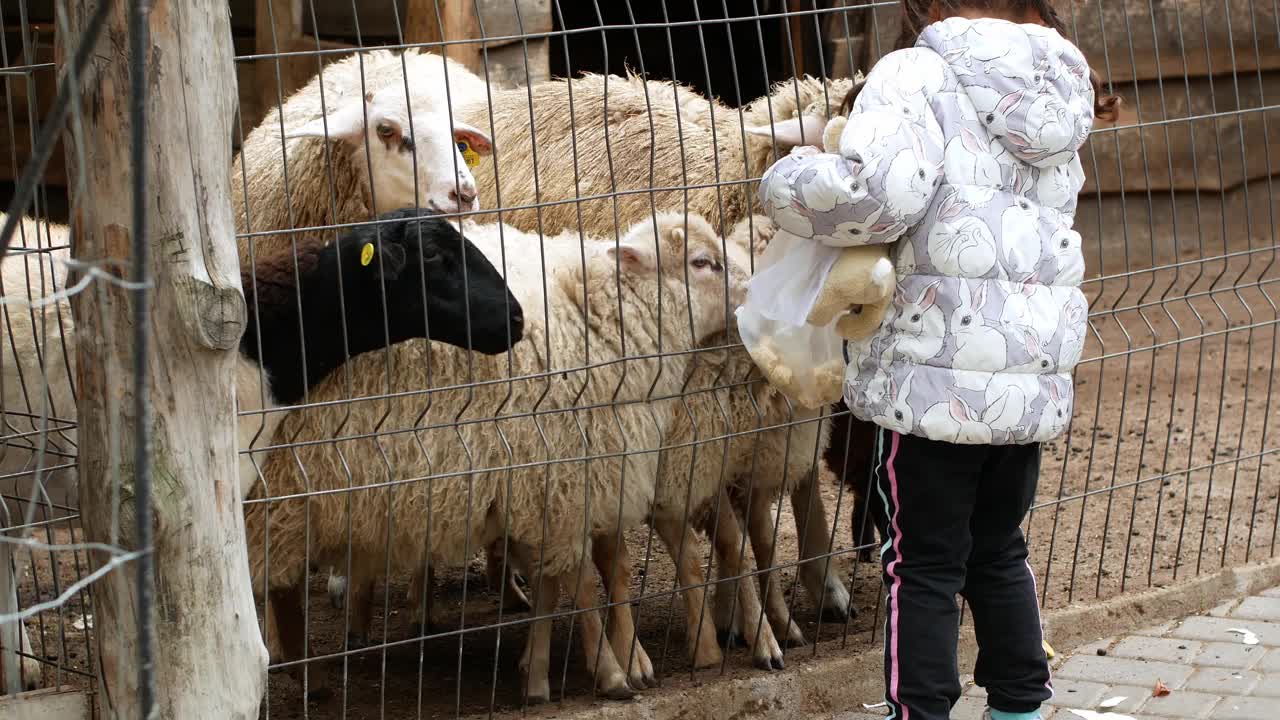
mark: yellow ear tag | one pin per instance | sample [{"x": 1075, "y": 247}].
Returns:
[
  {"x": 471, "y": 157},
  {"x": 366, "y": 254}
]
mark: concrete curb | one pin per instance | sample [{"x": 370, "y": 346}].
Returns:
[{"x": 831, "y": 684}]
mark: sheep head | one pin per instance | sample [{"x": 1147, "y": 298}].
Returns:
[
  {"x": 795, "y": 112},
  {"x": 680, "y": 262},
  {"x": 405, "y": 144}
]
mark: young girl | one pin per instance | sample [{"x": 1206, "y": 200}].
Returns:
[{"x": 963, "y": 145}]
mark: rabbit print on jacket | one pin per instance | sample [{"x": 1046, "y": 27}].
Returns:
[{"x": 965, "y": 147}]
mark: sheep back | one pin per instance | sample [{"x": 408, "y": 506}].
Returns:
[{"x": 660, "y": 135}]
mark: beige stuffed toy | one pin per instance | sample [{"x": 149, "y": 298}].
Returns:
[{"x": 860, "y": 286}]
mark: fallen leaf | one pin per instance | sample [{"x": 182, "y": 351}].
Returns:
[
  {"x": 82, "y": 622},
  {"x": 1091, "y": 715},
  {"x": 1160, "y": 689},
  {"x": 1112, "y": 702},
  {"x": 1048, "y": 649},
  {"x": 1246, "y": 635}
]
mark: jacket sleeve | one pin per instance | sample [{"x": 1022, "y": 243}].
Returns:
[{"x": 886, "y": 173}]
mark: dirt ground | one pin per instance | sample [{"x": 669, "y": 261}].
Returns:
[{"x": 1171, "y": 468}]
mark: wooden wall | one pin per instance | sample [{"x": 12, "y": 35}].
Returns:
[{"x": 28, "y": 95}]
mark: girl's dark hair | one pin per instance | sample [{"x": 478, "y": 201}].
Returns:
[
  {"x": 846, "y": 105},
  {"x": 915, "y": 17}
]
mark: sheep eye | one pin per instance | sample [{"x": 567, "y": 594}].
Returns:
[
  {"x": 915, "y": 318},
  {"x": 1044, "y": 363},
  {"x": 1059, "y": 413},
  {"x": 703, "y": 263},
  {"x": 966, "y": 319},
  {"x": 991, "y": 117},
  {"x": 897, "y": 414},
  {"x": 385, "y": 130},
  {"x": 1064, "y": 245},
  {"x": 921, "y": 174}
]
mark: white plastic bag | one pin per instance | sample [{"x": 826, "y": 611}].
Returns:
[
  {"x": 789, "y": 275},
  {"x": 805, "y": 362}
]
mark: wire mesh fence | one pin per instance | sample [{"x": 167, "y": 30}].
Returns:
[{"x": 461, "y": 501}]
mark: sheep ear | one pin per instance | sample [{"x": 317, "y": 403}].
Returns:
[
  {"x": 806, "y": 130},
  {"x": 346, "y": 123},
  {"x": 633, "y": 258},
  {"x": 477, "y": 139}
]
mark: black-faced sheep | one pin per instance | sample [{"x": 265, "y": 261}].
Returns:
[
  {"x": 554, "y": 450},
  {"x": 384, "y": 299},
  {"x": 411, "y": 259},
  {"x": 410, "y": 275}
]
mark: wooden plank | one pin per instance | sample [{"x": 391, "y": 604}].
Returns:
[
  {"x": 64, "y": 703},
  {"x": 1198, "y": 63},
  {"x": 456, "y": 20}
]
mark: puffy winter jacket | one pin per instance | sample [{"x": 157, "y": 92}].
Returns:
[{"x": 965, "y": 147}]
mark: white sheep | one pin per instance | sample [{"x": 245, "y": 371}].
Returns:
[
  {"x": 661, "y": 138},
  {"x": 734, "y": 447},
  {"x": 285, "y": 178},
  {"x": 704, "y": 148},
  {"x": 551, "y": 449}
]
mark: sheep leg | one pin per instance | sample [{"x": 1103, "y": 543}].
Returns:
[
  {"x": 614, "y": 565},
  {"x": 766, "y": 654},
  {"x": 422, "y": 588},
  {"x": 611, "y": 682},
  {"x": 535, "y": 663},
  {"x": 289, "y": 635},
  {"x": 337, "y": 589},
  {"x": 761, "y": 528},
  {"x": 700, "y": 634},
  {"x": 361, "y": 612},
  {"x": 725, "y": 610},
  {"x": 822, "y": 578}
]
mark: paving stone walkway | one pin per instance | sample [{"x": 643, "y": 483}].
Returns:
[{"x": 1210, "y": 671}]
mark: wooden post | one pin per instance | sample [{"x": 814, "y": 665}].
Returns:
[
  {"x": 209, "y": 660},
  {"x": 459, "y": 21}
]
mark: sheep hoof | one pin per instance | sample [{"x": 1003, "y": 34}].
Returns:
[
  {"x": 710, "y": 658},
  {"x": 837, "y": 614},
  {"x": 320, "y": 695},
  {"x": 538, "y": 693},
  {"x": 418, "y": 630},
  {"x": 621, "y": 692},
  {"x": 778, "y": 664},
  {"x": 728, "y": 639},
  {"x": 763, "y": 663},
  {"x": 795, "y": 639}
]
